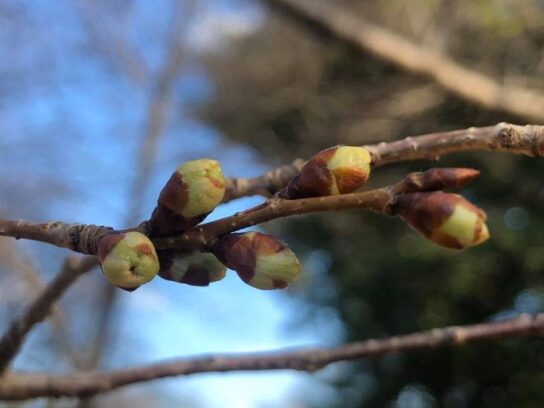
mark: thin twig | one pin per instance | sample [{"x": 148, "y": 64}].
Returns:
[
  {"x": 22, "y": 386},
  {"x": 36, "y": 312},
  {"x": 465, "y": 82},
  {"x": 504, "y": 137},
  {"x": 30, "y": 275}
]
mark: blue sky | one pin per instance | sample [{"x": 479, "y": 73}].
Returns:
[{"x": 69, "y": 120}]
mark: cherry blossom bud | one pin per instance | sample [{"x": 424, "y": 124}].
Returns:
[
  {"x": 446, "y": 219},
  {"x": 438, "y": 179},
  {"x": 192, "y": 268},
  {"x": 260, "y": 260},
  {"x": 337, "y": 170},
  {"x": 191, "y": 193},
  {"x": 128, "y": 260}
]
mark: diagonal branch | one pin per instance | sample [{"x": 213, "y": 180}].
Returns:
[
  {"x": 458, "y": 79},
  {"x": 36, "y": 312},
  {"x": 22, "y": 386}
]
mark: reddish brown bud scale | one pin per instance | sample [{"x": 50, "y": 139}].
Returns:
[
  {"x": 438, "y": 179},
  {"x": 337, "y": 170},
  {"x": 260, "y": 260},
  {"x": 192, "y": 268},
  {"x": 444, "y": 218}
]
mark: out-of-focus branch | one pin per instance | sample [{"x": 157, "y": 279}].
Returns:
[
  {"x": 36, "y": 312},
  {"x": 32, "y": 278},
  {"x": 108, "y": 39},
  {"x": 460, "y": 80},
  {"x": 22, "y": 386}
]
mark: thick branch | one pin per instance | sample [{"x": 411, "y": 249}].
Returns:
[
  {"x": 13, "y": 338},
  {"x": 21, "y": 386},
  {"x": 367, "y": 37}
]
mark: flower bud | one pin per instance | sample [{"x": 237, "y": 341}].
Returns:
[
  {"x": 193, "y": 268},
  {"x": 446, "y": 219},
  {"x": 260, "y": 260},
  {"x": 337, "y": 170},
  {"x": 128, "y": 260},
  {"x": 191, "y": 193},
  {"x": 437, "y": 179}
]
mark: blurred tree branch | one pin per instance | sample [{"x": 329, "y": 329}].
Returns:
[
  {"x": 158, "y": 106},
  {"x": 22, "y": 386},
  {"x": 28, "y": 272},
  {"x": 460, "y": 80},
  {"x": 37, "y": 311}
]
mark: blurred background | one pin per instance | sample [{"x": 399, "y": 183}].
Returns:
[{"x": 101, "y": 100}]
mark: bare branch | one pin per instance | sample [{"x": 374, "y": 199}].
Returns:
[
  {"x": 22, "y": 386},
  {"x": 265, "y": 185},
  {"x": 460, "y": 80},
  {"x": 13, "y": 338},
  {"x": 81, "y": 238},
  {"x": 31, "y": 276},
  {"x": 528, "y": 140},
  {"x": 504, "y": 137}
]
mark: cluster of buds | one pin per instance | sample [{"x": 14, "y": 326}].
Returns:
[
  {"x": 192, "y": 268},
  {"x": 447, "y": 219},
  {"x": 260, "y": 260},
  {"x": 192, "y": 192},
  {"x": 338, "y": 170},
  {"x": 128, "y": 260}
]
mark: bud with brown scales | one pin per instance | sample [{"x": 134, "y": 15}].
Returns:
[
  {"x": 192, "y": 268},
  {"x": 191, "y": 193},
  {"x": 447, "y": 219},
  {"x": 128, "y": 260},
  {"x": 337, "y": 170},
  {"x": 436, "y": 179},
  {"x": 260, "y": 260}
]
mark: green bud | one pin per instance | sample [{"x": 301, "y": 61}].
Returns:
[
  {"x": 337, "y": 170},
  {"x": 446, "y": 219},
  {"x": 260, "y": 260},
  {"x": 193, "y": 268},
  {"x": 191, "y": 193},
  {"x": 128, "y": 260}
]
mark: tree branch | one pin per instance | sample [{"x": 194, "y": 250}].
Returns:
[
  {"x": 503, "y": 137},
  {"x": 81, "y": 238},
  {"x": 527, "y": 140},
  {"x": 22, "y": 386},
  {"x": 13, "y": 338},
  {"x": 367, "y": 37}
]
